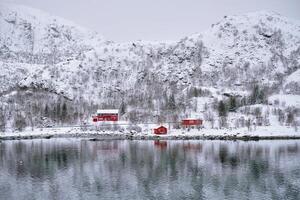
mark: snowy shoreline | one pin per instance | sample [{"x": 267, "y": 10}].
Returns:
[
  {"x": 102, "y": 137},
  {"x": 261, "y": 133}
]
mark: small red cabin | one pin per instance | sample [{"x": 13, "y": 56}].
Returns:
[
  {"x": 106, "y": 115},
  {"x": 161, "y": 130},
  {"x": 191, "y": 123}
]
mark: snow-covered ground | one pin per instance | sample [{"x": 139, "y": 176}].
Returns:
[
  {"x": 286, "y": 99},
  {"x": 264, "y": 132}
]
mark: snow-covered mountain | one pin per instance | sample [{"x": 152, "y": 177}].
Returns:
[
  {"x": 31, "y": 39},
  {"x": 42, "y": 52},
  {"x": 27, "y": 33}
]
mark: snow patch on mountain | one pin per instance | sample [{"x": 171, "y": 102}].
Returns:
[
  {"x": 287, "y": 100},
  {"x": 292, "y": 83}
]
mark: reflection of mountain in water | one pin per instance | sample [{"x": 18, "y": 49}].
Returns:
[{"x": 149, "y": 169}]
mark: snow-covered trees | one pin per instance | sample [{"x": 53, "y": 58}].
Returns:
[
  {"x": 232, "y": 104},
  {"x": 19, "y": 121},
  {"x": 290, "y": 118},
  {"x": 122, "y": 109},
  {"x": 222, "y": 109},
  {"x": 209, "y": 116},
  {"x": 64, "y": 113},
  {"x": 257, "y": 96},
  {"x": 2, "y": 120}
]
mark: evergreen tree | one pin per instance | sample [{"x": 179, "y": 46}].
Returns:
[
  {"x": 58, "y": 112},
  {"x": 195, "y": 92},
  {"x": 222, "y": 109},
  {"x": 2, "y": 121},
  {"x": 261, "y": 97},
  {"x": 54, "y": 113},
  {"x": 232, "y": 104},
  {"x": 172, "y": 103},
  {"x": 122, "y": 108},
  {"x": 254, "y": 95},
  {"x": 64, "y": 113},
  {"x": 46, "y": 112},
  {"x": 257, "y": 95},
  {"x": 290, "y": 118}
]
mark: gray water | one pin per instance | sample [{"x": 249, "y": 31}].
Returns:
[{"x": 81, "y": 169}]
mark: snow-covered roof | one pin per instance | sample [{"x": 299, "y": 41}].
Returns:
[{"x": 108, "y": 111}]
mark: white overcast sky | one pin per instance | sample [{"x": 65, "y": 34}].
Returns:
[{"x": 127, "y": 20}]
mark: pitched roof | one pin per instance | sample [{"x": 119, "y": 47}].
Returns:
[
  {"x": 107, "y": 111},
  {"x": 161, "y": 127}
]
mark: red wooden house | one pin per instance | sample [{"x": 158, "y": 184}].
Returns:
[
  {"x": 191, "y": 123},
  {"x": 161, "y": 130},
  {"x": 106, "y": 115}
]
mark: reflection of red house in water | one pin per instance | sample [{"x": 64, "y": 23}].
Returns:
[
  {"x": 106, "y": 115},
  {"x": 160, "y": 144},
  {"x": 104, "y": 148},
  {"x": 190, "y": 146},
  {"x": 161, "y": 130},
  {"x": 191, "y": 123}
]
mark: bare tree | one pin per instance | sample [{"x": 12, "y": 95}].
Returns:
[
  {"x": 248, "y": 124},
  {"x": 280, "y": 117},
  {"x": 209, "y": 116},
  {"x": 223, "y": 122},
  {"x": 295, "y": 125}
]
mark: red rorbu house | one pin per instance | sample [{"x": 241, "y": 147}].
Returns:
[
  {"x": 161, "y": 130},
  {"x": 191, "y": 123},
  {"x": 111, "y": 115}
]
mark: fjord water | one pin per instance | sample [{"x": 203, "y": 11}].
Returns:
[{"x": 82, "y": 169}]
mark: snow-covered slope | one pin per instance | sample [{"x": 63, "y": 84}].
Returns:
[
  {"x": 292, "y": 83},
  {"x": 30, "y": 35},
  {"x": 50, "y": 53}
]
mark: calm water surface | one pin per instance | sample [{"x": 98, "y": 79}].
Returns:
[{"x": 81, "y": 169}]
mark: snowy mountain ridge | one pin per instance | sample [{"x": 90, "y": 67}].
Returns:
[
  {"x": 30, "y": 32},
  {"x": 42, "y": 52}
]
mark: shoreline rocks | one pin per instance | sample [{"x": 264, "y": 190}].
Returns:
[{"x": 119, "y": 136}]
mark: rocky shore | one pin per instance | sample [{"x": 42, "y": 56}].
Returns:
[{"x": 98, "y": 136}]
